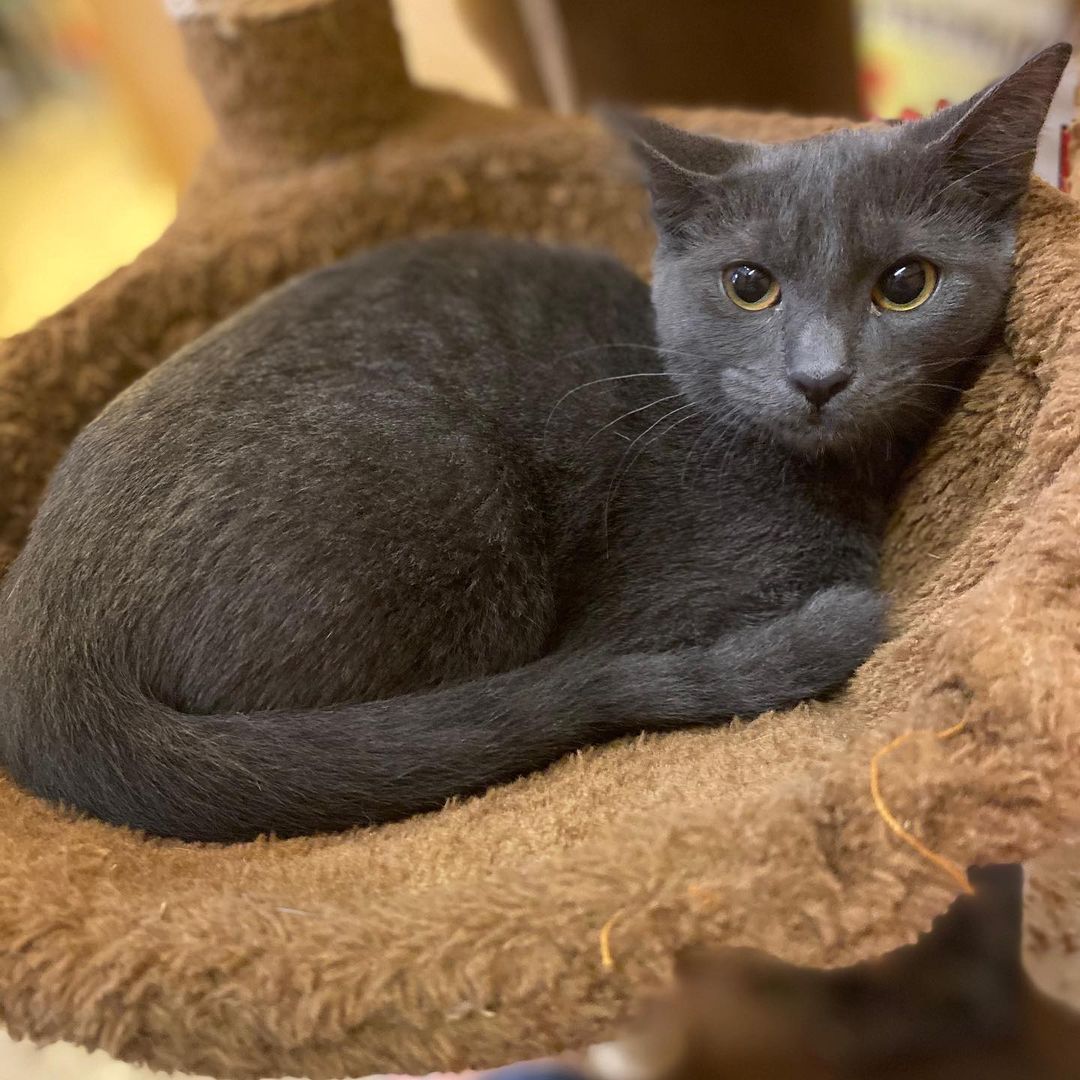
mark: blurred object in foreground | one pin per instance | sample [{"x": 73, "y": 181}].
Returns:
[
  {"x": 915, "y": 53},
  {"x": 956, "y": 1005},
  {"x": 567, "y": 54}
]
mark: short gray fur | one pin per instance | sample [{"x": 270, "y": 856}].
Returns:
[{"x": 428, "y": 519}]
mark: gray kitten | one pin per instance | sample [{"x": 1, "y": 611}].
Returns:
[{"x": 428, "y": 519}]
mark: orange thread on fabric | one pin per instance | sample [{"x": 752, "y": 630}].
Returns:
[
  {"x": 942, "y": 862},
  {"x": 701, "y": 894},
  {"x": 607, "y": 961}
]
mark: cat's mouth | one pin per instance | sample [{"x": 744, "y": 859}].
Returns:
[
  {"x": 835, "y": 426},
  {"x": 815, "y": 431}
]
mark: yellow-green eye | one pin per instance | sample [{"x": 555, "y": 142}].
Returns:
[
  {"x": 751, "y": 287},
  {"x": 906, "y": 285}
]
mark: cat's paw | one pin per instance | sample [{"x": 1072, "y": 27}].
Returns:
[
  {"x": 847, "y": 619},
  {"x": 802, "y": 653},
  {"x": 831, "y": 635},
  {"x": 850, "y": 615},
  {"x": 814, "y": 649}
]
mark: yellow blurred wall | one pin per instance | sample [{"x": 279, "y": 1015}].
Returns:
[
  {"x": 77, "y": 200},
  {"x": 87, "y": 183}
]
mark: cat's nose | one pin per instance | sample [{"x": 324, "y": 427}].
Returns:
[{"x": 819, "y": 388}]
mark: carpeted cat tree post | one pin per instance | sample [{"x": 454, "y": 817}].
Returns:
[{"x": 472, "y": 936}]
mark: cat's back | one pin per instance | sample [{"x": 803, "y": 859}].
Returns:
[
  {"x": 448, "y": 294},
  {"x": 254, "y": 496},
  {"x": 466, "y": 314},
  {"x": 311, "y": 402},
  {"x": 448, "y": 322}
]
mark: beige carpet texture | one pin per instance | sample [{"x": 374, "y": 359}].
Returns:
[{"x": 473, "y": 936}]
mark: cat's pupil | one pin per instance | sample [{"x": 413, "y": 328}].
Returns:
[
  {"x": 750, "y": 283},
  {"x": 903, "y": 283}
]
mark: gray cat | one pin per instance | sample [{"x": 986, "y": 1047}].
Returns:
[{"x": 428, "y": 519}]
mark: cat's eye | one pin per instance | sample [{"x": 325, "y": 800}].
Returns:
[
  {"x": 751, "y": 287},
  {"x": 906, "y": 285}
]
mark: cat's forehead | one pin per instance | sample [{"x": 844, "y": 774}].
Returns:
[
  {"x": 853, "y": 170},
  {"x": 844, "y": 195}
]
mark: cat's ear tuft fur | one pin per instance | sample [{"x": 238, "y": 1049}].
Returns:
[
  {"x": 679, "y": 165},
  {"x": 988, "y": 142}
]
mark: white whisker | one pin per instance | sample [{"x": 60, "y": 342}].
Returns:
[
  {"x": 621, "y": 472},
  {"x": 629, "y": 412}
]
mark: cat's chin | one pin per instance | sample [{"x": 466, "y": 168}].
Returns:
[{"x": 815, "y": 436}]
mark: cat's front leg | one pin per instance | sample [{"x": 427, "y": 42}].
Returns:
[
  {"x": 808, "y": 651},
  {"x": 799, "y": 654}
]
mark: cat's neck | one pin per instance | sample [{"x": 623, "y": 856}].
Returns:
[{"x": 873, "y": 469}]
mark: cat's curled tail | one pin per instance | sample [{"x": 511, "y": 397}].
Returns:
[{"x": 96, "y": 742}]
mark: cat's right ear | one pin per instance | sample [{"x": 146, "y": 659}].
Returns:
[{"x": 680, "y": 167}]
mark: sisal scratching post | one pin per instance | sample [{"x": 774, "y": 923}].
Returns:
[{"x": 473, "y": 936}]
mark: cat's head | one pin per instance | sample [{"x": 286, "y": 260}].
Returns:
[{"x": 828, "y": 291}]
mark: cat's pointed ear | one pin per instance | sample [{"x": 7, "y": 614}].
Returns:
[
  {"x": 680, "y": 167},
  {"x": 988, "y": 142}
]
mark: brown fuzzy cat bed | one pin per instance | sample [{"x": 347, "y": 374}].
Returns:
[{"x": 473, "y": 936}]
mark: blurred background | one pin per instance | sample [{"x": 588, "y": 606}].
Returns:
[{"x": 101, "y": 127}]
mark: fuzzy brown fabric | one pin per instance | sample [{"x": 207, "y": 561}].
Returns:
[{"x": 471, "y": 936}]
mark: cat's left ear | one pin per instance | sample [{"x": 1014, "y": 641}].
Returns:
[
  {"x": 680, "y": 167},
  {"x": 988, "y": 142}
]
